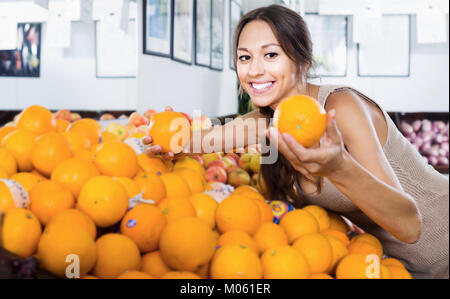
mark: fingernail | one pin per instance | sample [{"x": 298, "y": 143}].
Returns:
[{"x": 287, "y": 138}]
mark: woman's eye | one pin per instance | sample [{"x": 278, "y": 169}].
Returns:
[
  {"x": 244, "y": 58},
  {"x": 271, "y": 55}
]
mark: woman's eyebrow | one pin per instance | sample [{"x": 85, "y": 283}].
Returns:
[{"x": 262, "y": 47}]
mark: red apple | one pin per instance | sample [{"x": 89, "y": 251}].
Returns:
[
  {"x": 107, "y": 116},
  {"x": 75, "y": 117},
  {"x": 148, "y": 114},
  {"x": 244, "y": 161},
  {"x": 239, "y": 177},
  {"x": 64, "y": 114},
  {"x": 209, "y": 158},
  {"x": 233, "y": 156},
  {"x": 218, "y": 163},
  {"x": 255, "y": 163},
  {"x": 230, "y": 162},
  {"x": 138, "y": 120},
  {"x": 216, "y": 174}
]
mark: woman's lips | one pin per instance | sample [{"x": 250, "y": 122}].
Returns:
[{"x": 261, "y": 88}]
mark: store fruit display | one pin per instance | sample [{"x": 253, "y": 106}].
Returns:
[
  {"x": 192, "y": 218},
  {"x": 430, "y": 138}
]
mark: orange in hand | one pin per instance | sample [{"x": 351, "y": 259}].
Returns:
[
  {"x": 301, "y": 117},
  {"x": 170, "y": 130}
]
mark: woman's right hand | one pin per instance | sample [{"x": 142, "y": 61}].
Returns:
[{"x": 157, "y": 149}]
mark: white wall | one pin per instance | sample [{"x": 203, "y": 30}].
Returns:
[
  {"x": 163, "y": 82},
  {"x": 427, "y": 88},
  {"x": 68, "y": 80}
]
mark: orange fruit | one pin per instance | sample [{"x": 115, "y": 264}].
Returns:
[
  {"x": 398, "y": 272},
  {"x": 149, "y": 164},
  {"x": 116, "y": 254},
  {"x": 20, "y": 144},
  {"x": 50, "y": 150},
  {"x": 392, "y": 262},
  {"x": 203, "y": 272},
  {"x": 89, "y": 277},
  {"x": 320, "y": 276},
  {"x": 153, "y": 264},
  {"x": 321, "y": 216},
  {"x": 298, "y": 223},
  {"x": 177, "y": 207},
  {"x": 21, "y": 232},
  {"x": 189, "y": 163},
  {"x": 269, "y": 235},
  {"x": 89, "y": 127},
  {"x": 180, "y": 275},
  {"x": 78, "y": 141},
  {"x": 317, "y": 251},
  {"x": 338, "y": 223},
  {"x": 175, "y": 185},
  {"x": 151, "y": 186},
  {"x": 61, "y": 125},
  {"x": 12, "y": 195},
  {"x": 104, "y": 200},
  {"x": 77, "y": 218},
  {"x": 196, "y": 182},
  {"x": 301, "y": 117},
  {"x": 284, "y": 262},
  {"x": 26, "y": 179},
  {"x": 73, "y": 174},
  {"x": 369, "y": 245},
  {"x": 36, "y": 119},
  {"x": 108, "y": 136},
  {"x": 48, "y": 198},
  {"x": 5, "y": 131},
  {"x": 238, "y": 213},
  {"x": 237, "y": 238},
  {"x": 171, "y": 130},
  {"x": 40, "y": 176},
  {"x": 130, "y": 186},
  {"x": 7, "y": 162},
  {"x": 60, "y": 242},
  {"x": 355, "y": 266},
  {"x": 252, "y": 195},
  {"x": 339, "y": 250},
  {"x": 338, "y": 234},
  {"x": 265, "y": 210},
  {"x": 144, "y": 225},
  {"x": 245, "y": 188},
  {"x": 187, "y": 244},
  {"x": 231, "y": 261},
  {"x": 117, "y": 159},
  {"x": 363, "y": 247},
  {"x": 205, "y": 207},
  {"x": 134, "y": 275},
  {"x": 85, "y": 155},
  {"x": 385, "y": 272},
  {"x": 3, "y": 174}
]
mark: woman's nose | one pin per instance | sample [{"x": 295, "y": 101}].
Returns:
[{"x": 256, "y": 68}]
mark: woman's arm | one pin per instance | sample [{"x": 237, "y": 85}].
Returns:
[
  {"x": 362, "y": 173},
  {"x": 366, "y": 176},
  {"x": 238, "y": 133}
]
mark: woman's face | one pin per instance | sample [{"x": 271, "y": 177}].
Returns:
[{"x": 266, "y": 73}]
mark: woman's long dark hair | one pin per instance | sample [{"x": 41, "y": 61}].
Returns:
[{"x": 281, "y": 181}]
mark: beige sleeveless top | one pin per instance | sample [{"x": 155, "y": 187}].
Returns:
[{"x": 429, "y": 258}]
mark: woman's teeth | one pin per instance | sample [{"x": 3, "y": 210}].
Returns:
[{"x": 261, "y": 86}]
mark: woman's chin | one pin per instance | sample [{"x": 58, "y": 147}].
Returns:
[{"x": 262, "y": 103}]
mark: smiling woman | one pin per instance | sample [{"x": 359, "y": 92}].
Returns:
[{"x": 363, "y": 168}]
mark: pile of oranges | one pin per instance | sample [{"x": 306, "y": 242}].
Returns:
[{"x": 60, "y": 187}]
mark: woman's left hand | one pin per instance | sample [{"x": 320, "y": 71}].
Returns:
[{"x": 320, "y": 160}]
